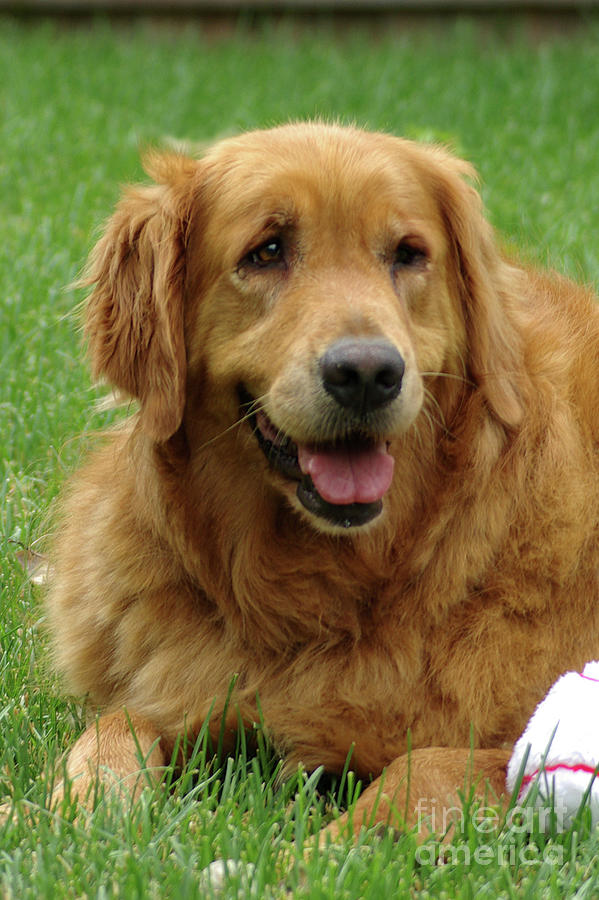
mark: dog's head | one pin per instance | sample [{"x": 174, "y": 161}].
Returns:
[{"x": 312, "y": 283}]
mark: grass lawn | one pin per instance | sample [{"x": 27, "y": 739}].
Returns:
[{"x": 75, "y": 107}]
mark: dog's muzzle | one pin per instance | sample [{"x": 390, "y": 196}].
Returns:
[{"x": 341, "y": 481}]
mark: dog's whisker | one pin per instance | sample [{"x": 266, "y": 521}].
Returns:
[
  {"x": 280, "y": 436},
  {"x": 452, "y": 375},
  {"x": 431, "y": 423},
  {"x": 431, "y": 399},
  {"x": 255, "y": 407}
]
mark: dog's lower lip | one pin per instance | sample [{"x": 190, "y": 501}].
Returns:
[{"x": 344, "y": 516}]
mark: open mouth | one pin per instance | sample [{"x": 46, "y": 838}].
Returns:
[{"x": 342, "y": 482}]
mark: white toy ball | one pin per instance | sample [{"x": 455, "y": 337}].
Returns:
[{"x": 562, "y": 740}]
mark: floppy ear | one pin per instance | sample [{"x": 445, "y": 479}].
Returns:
[
  {"x": 483, "y": 280},
  {"x": 134, "y": 315}
]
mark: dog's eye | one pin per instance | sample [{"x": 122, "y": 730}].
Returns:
[
  {"x": 407, "y": 255},
  {"x": 267, "y": 254}
]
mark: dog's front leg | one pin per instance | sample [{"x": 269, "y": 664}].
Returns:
[
  {"x": 423, "y": 789},
  {"x": 120, "y": 751}
]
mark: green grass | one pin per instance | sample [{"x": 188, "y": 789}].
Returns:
[{"x": 75, "y": 107}]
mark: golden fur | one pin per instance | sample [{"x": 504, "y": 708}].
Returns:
[{"x": 183, "y": 557}]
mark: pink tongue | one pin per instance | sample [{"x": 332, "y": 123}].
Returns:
[{"x": 343, "y": 475}]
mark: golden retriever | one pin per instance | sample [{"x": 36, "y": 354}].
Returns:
[{"x": 363, "y": 477}]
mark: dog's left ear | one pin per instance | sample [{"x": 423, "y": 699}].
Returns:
[
  {"x": 134, "y": 315},
  {"x": 484, "y": 285}
]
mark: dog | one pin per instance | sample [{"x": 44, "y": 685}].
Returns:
[{"x": 363, "y": 476}]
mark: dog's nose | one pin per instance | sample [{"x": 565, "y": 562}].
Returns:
[{"x": 362, "y": 374}]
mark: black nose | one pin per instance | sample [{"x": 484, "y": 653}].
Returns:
[{"x": 362, "y": 374}]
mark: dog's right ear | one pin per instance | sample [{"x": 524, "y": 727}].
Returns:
[{"x": 134, "y": 315}]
